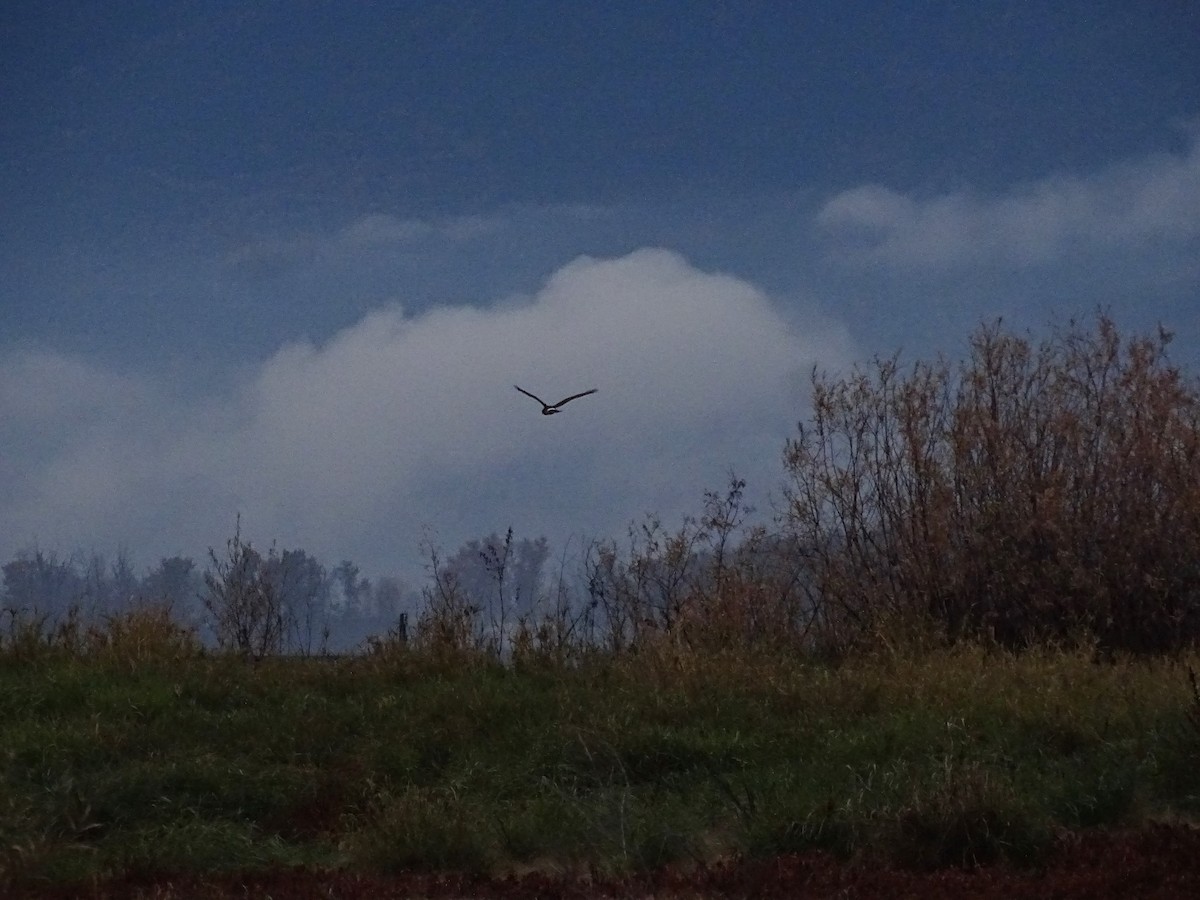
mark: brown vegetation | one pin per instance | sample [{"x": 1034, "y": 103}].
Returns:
[{"x": 1035, "y": 492}]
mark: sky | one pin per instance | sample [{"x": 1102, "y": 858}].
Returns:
[{"x": 286, "y": 260}]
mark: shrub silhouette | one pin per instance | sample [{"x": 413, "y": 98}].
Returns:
[
  {"x": 716, "y": 584},
  {"x": 1031, "y": 493}
]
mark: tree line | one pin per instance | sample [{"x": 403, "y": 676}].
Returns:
[{"x": 1036, "y": 491}]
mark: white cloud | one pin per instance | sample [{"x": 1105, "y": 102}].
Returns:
[
  {"x": 1123, "y": 207},
  {"x": 350, "y": 447},
  {"x": 41, "y": 388},
  {"x": 363, "y": 236}
]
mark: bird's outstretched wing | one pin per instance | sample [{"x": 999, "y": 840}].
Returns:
[
  {"x": 574, "y": 397},
  {"x": 527, "y": 394}
]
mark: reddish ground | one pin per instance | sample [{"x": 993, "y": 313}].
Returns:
[{"x": 1158, "y": 862}]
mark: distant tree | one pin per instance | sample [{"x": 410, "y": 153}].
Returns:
[
  {"x": 108, "y": 589},
  {"x": 124, "y": 583},
  {"x": 379, "y": 608},
  {"x": 303, "y": 589},
  {"x": 355, "y": 590},
  {"x": 39, "y": 583},
  {"x": 173, "y": 582},
  {"x": 528, "y": 566},
  {"x": 391, "y": 598},
  {"x": 503, "y": 575}
]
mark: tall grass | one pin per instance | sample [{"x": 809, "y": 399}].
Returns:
[{"x": 404, "y": 760}]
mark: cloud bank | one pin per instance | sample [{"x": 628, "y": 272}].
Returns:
[
  {"x": 399, "y": 423},
  {"x": 1155, "y": 200}
]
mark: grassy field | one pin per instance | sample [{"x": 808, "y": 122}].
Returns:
[{"x": 163, "y": 763}]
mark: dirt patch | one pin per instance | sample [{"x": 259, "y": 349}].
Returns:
[{"x": 1157, "y": 863}]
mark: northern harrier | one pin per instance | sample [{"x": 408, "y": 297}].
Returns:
[{"x": 551, "y": 409}]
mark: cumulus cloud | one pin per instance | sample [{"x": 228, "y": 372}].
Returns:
[
  {"x": 1125, "y": 206},
  {"x": 351, "y": 447}
]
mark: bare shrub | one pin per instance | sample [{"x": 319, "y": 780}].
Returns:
[
  {"x": 489, "y": 599},
  {"x": 716, "y": 583},
  {"x": 1034, "y": 492},
  {"x": 260, "y": 605},
  {"x": 450, "y": 623},
  {"x": 558, "y": 628},
  {"x": 246, "y": 610}
]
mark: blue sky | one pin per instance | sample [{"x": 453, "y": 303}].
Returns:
[{"x": 287, "y": 259}]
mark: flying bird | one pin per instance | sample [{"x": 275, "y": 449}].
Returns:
[{"x": 550, "y": 409}]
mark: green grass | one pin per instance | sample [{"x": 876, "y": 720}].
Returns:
[{"x": 205, "y": 764}]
